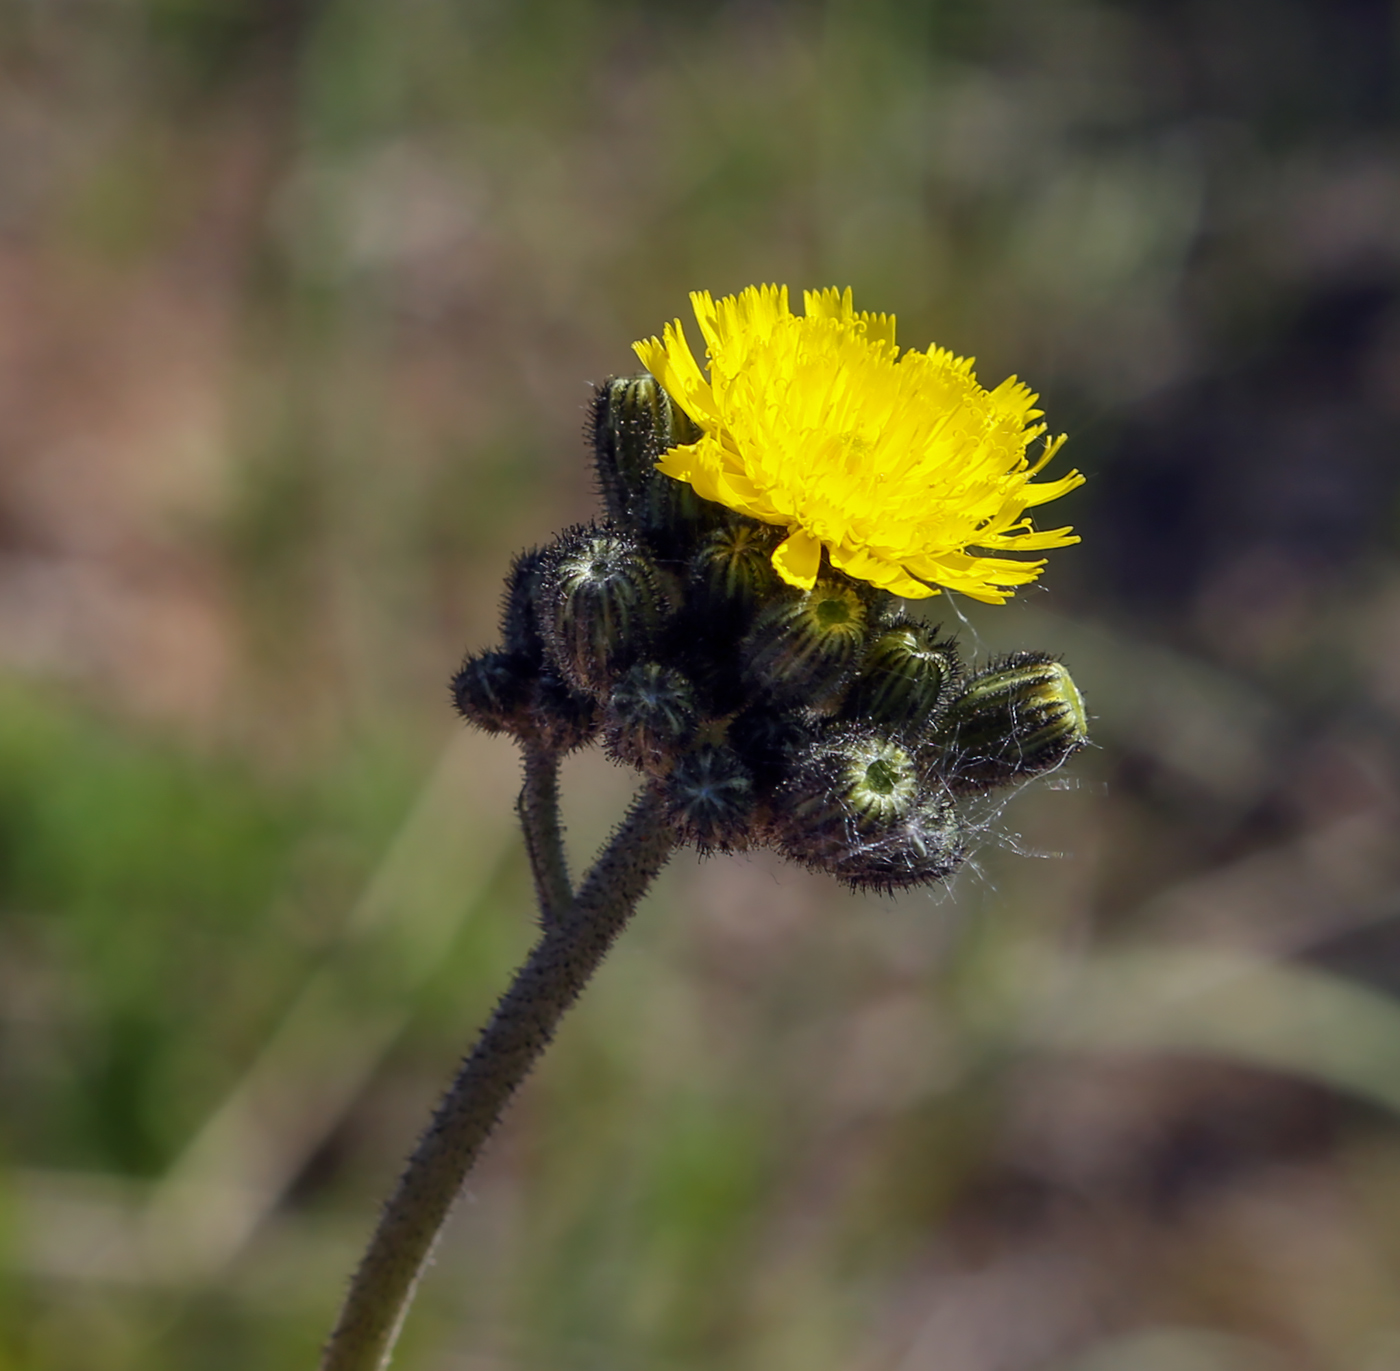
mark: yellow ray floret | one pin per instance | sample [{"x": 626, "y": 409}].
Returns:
[{"x": 910, "y": 474}]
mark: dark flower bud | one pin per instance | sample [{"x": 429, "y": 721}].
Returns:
[
  {"x": 769, "y": 737},
  {"x": 710, "y": 798},
  {"x": 520, "y": 628},
  {"x": 561, "y": 717},
  {"x": 633, "y": 422},
  {"x": 803, "y": 648},
  {"x": 651, "y": 714},
  {"x": 882, "y": 609},
  {"x": 494, "y": 690},
  {"x": 906, "y": 680},
  {"x": 732, "y": 570},
  {"x": 1021, "y": 717},
  {"x": 600, "y": 606}
]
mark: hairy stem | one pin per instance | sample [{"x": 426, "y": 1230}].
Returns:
[
  {"x": 538, "y": 807},
  {"x": 558, "y": 968}
]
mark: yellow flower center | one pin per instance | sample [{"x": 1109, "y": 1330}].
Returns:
[{"x": 902, "y": 468}]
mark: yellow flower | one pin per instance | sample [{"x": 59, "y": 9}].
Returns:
[{"x": 903, "y": 468}]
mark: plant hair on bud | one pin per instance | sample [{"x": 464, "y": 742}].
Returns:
[
  {"x": 1018, "y": 718},
  {"x": 925, "y": 847},
  {"x": 520, "y": 628},
  {"x": 856, "y": 807},
  {"x": 907, "y": 679},
  {"x": 852, "y": 780},
  {"x": 804, "y": 646},
  {"x": 601, "y": 606},
  {"x": 651, "y": 716},
  {"x": 633, "y": 421},
  {"x": 710, "y": 798},
  {"x": 494, "y": 690}
]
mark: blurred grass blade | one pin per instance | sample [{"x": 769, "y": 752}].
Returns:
[
  {"x": 1282, "y": 1016},
  {"x": 343, "y": 1021}
]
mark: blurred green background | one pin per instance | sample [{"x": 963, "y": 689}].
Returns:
[{"x": 300, "y": 306}]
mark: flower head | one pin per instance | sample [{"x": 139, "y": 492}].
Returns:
[{"x": 909, "y": 473}]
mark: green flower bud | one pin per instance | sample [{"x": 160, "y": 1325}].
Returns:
[
  {"x": 852, "y": 781},
  {"x": 855, "y": 807},
  {"x": 803, "y": 648},
  {"x": 651, "y": 714},
  {"x": 601, "y": 607},
  {"x": 710, "y": 798},
  {"x": 634, "y": 421},
  {"x": 732, "y": 570},
  {"x": 1021, "y": 717},
  {"x": 927, "y": 846},
  {"x": 906, "y": 680},
  {"x": 494, "y": 691}
]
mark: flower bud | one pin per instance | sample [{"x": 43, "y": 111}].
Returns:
[
  {"x": 852, "y": 781},
  {"x": 906, "y": 679},
  {"x": 634, "y": 421},
  {"x": 804, "y": 647},
  {"x": 927, "y": 846},
  {"x": 710, "y": 798},
  {"x": 855, "y": 808},
  {"x": 769, "y": 737},
  {"x": 601, "y": 607},
  {"x": 651, "y": 714},
  {"x": 520, "y": 629},
  {"x": 1017, "y": 719},
  {"x": 732, "y": 570},
  {"x": 561, "y": 717},
  {"x": 505, "y": 692},
  {"x": 493, "y": 690}
]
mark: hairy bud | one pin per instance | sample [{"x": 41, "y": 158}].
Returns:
[
  {"x": 1019, "y": 718},
  {"x": 494, "y": 690},
  {"x": 851, "y": 781},
  {"x": 505, "y": 692},
  {"x": 561, "y": 717},
  {"x": 906, "y": 680},
  {"x": 769, "y": 738},
  {"x": 634, "y": 421},
  {"x": 732, "y": 570},
  {"x": 926, "y": 846},
  {"x": 710, "y": 798},
  {"x": 520, "y": 628},
  {"x": 651, "y": 714},
  {"x": 601, "y": 606},
  {"x": 803, "y": 648},
  {"x": 855, "y": 807}
]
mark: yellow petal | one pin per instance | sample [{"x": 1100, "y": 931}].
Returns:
[
  {"x": 915, "y": 475},
  {"x": 836, "y": 304},
  {"x": 798, "y": 558},
  {"x": 866, "y": 566},
  {"x": 671, "y": 361}
]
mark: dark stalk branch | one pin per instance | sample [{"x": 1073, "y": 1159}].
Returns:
[
  {"x": 538, "y": 807},
  {"x": 558, "y": 968}
]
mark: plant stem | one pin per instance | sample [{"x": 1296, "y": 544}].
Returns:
[
  {"x": 558, "y": 968},
  {"x": 538, "y": 807}
]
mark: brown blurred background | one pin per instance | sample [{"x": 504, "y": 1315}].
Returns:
[{"x": 300, "y": 304}]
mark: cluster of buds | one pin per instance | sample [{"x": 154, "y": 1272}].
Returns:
[{"x": 824, "y": 723}]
